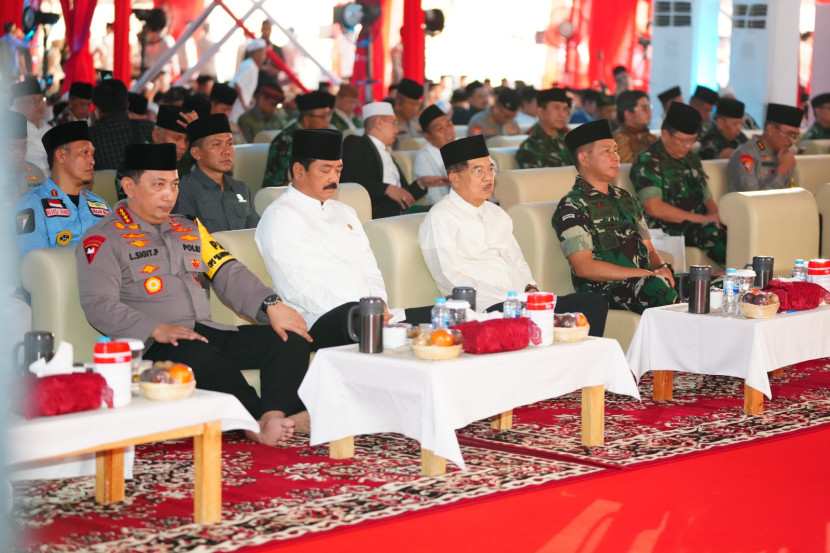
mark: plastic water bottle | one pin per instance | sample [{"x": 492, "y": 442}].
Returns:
[
  {"x": 440, "y": 314},
  {"x": 731, "y": 306},
  {"x": 800, "y": 270},
  {"x": 512, "y": 307}
]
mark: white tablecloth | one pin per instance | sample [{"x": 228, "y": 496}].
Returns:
[
  {"x": 348, "y": 393},
  {"x": 43, "y": 437},
  {"x": 672, "y": 339}
]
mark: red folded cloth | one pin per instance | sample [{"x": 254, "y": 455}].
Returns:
[
  {"x": 65, "y": 393},
  {"x": 499, "y": 335},
  {"x": 798, "y": 296}
]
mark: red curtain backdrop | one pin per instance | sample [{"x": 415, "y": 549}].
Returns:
[
  {"x": 180, "y": 12},
  {"x": 412, "y": 37},
  {"x": 379, "y": 31},
  {"x": 78, "y": 15},
  {"x": 11, "y": 10},
  {"x": 121, "y": 41},
  {"x": 608, "y": 29}
]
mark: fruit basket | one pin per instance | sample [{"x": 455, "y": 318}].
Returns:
[
  {"x": 168, "y": 381},
  {"x": 437, "y": 353},
  {"x": 570, "y": 327},
  {"x": 752, "y": 311}
]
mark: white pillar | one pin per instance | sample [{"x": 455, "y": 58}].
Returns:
[
  {"x": 821, "y": 51},
  {"x": 684, "y": 49},
  {"x": 764, "y": 55}
]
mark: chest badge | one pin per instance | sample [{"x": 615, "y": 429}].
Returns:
[
  {"x": 153, "y": 285},
  {"x": 196, "y": 263},
  {"x": 138, "y": 243},
  {"x": 188, "y": 237},
  {"x": 149, "y": 269},
  {"x": 64, "y": 238},
  {"x": 133, "y": 235}
]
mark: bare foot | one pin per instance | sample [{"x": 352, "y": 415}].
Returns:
[
  {"x": 275, "y": 429},
  {"x": 302, "y": 422}
]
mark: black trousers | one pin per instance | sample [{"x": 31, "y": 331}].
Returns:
[
  {"x": 330, "y": 329},
  {"x": 217, "y": 365},
  {"x": 593, "y": 306}
]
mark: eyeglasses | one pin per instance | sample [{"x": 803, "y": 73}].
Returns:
[
  {"x": 791, "y": 135},
  {"x": 684, "y": 141},
  {"x": 479, "y": 171}
]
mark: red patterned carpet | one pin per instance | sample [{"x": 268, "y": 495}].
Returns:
[{"x": 274, "y": 496}]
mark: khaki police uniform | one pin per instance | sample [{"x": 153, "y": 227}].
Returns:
[{"x": 752, "y": 167}]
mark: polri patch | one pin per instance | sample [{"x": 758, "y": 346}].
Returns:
[
  {"x": 64, "y": 238},
  {"x": 25, "y": 221},
  {"x": 92, "y": 245},
  {"x": 747, "y": 161}
]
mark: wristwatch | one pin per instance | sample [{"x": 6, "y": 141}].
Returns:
[{"x": 269, "y": 301}]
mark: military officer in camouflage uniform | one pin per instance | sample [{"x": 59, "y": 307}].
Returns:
[
  {"x": 725, "y": 135},
  {"x": 704, "y": 101},
  {"x": 767, "y": 162},
  {"x": 315, "y": 113},
  {"x": 545, "y": 146},
  {"x": 668, "y": 97},
  {"x": 671, "y": 185},
  {"x": 498, "y": 119},
  {"x": 821, "y": 110},
  {"x": 142, "y": 273},
  {"x": 602, "y": 230},
  {"x": 24, "y": 176},
  {"x": 407, "y": 107}
]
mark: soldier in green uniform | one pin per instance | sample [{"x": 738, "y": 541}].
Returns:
[
  {"x": 704, "y": 101},
  {"x": 315, "y": 113},
  {"x": 671, "y": 185},
  {"x": 668, "y": 97},
  {"x": 821, "y": 110},
  {"x": 767, "y": 162},
  {"x": 545, "y": 145},
  {"x": 266, "y": 115},
  {"x": 725, "y": 135},
  {"x": 602, "y": 230},
  {"x": 25, "y": 176}
]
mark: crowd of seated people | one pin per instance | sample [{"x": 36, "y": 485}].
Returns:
[{"x": 173, "y": 156}]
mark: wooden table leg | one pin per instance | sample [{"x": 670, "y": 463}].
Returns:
[
  {"x": 502, "y": 421},
  {"x": 753, "y": 401},
  {"x": 777, "y": 373},
  {"x": 207, "y": 474},
  {"x": 663, "y": 385},
  {"x": 432, "y": 464},
  {"x": 342, "y": 448},
  {"x": 109, "y": 475},
  {"x": 593, "y": 415}
]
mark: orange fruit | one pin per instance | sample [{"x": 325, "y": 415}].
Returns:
[
  {"x": 181, "y": 373},
  {"x": 442, "y": 338},
  {"x": 582, "y": 320}
]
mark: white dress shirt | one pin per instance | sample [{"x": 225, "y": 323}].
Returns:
[
  {"x": 35, "y": 152},
  {"x": 317, "y": 254},
  {"x": 246, "y": 78},
  {"x": 465, "y": 245},
  {"x": 429, "y": 163},
  {"x": 390, "y": 170}
]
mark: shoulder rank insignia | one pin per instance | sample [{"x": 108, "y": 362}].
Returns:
[{"x": 124, "y": 214}]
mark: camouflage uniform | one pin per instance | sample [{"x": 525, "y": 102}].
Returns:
[
  {"x": 613, "y": 228},
  {"x": 713, "y": 143},
  {"x": 631, "y": 142},
  {"x": 279, "y": 156},
  {"x": 681, "y": 183},
  {"x": 408, "y": 129},
  {"x": 817, "y": 132},
  {"x": 543, "y": 150}
]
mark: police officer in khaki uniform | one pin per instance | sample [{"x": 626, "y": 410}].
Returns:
[
  {"x": 142, "y": 273},
  {"x": 24, "y": 175},
  {"x": 221, "y": 202},
  {"x": 407, "y": 107},
  {"x": 767, "y": 162},
  {"x": 498, "y": 119}
]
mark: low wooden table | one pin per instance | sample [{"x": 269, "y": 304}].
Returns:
[
  {"x": 106, "y": 432},
  {"x": 671, "y": 339},
  {"x": 348, "y": 393}
]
